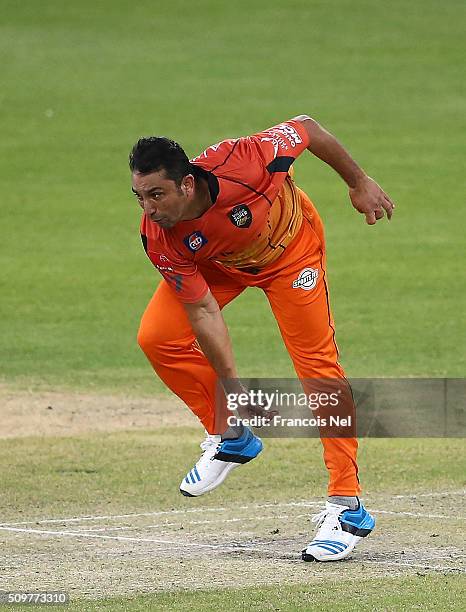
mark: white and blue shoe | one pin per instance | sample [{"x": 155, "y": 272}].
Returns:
[
  {"x": 217, "y": 461},
  {"x": 339, "y": 530}
]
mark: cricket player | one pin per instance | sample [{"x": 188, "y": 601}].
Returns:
[{"x": 233, "y": 218}]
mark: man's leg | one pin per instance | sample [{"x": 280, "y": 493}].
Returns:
[
  {"x": 298, "y": 293},
  {"x": 306, "y": 324}
]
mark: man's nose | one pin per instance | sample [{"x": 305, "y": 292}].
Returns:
[{"x": 149, "y": 206}]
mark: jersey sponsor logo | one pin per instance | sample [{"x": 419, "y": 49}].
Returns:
[
  {"x": 195, "y": 241},
  {"x": 307, "y": 279},
  {"x": 241, "y": 216},
  {"x": 290, "y": 133},
  {"x": 164, "y": 268},
  {"x": 283, "y": 136}
]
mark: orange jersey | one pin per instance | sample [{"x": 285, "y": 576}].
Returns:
[{"x": 245, "y": 177}]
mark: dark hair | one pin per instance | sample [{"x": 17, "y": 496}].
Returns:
[{"x": 156, "y": 153}]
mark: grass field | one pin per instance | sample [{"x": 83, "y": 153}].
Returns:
[
  {"x": 100, "y": 515},
  {"x": 80, "y": 82}
]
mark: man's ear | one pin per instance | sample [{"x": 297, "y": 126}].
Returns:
[{"x": 187, "y": 185}]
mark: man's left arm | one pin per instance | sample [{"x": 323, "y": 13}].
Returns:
[{"x": 366, "y": 195}]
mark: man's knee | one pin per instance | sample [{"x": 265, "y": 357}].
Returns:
[
  {"x": 158, "y": 338},
  {"x": 320, "y": 366},
  {"x": 145, "y": 338}
]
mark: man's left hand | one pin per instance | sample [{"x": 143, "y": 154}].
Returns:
[{"x": 371, "y": 200}]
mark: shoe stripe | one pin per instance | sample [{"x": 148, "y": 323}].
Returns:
[
  {"x": 191, "y": 476},
  {"x": 330, "y": 546},
  {"x": 186, "y": 479},
  {"x": 334, "y": 551},
  {"x": 332, "y": 543},
  {"x": 197, "y": 474}
]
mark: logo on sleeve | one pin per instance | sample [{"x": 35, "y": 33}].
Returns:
[
  {"x": 162, "y": 263},
  {"x": 307, "y": 279},
  {"x": 282, "y": 136},
  {"x": 241, "y": 216},
  {"x": 195, "y": 241}
]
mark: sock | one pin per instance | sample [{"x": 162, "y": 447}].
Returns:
[
  {"x": 341, "y": 500},
  {"x": 233, "y": 432}
]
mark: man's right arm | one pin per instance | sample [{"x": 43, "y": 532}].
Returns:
[
  {"x": 212, "y": 334},
  {"x": 366, "y": 195}
]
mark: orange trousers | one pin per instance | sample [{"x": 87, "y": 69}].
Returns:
[{"x": 305, "y": 323}]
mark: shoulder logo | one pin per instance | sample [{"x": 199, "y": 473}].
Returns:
[
  {"x": 163, "y": 263},
  {"x": 195, "y": 241},
  {"x": 307, "y": 279},
  {"x": 241, "y": 216}
]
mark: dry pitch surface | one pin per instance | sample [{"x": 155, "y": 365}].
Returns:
[{"x": 232, "y": 545}]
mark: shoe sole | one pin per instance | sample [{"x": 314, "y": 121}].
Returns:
[{"x": 305, "y": 556}]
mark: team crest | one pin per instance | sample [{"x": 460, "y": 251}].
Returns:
[
  {"x": 241, "y": 216},
  {"x": 195, "y": 241},
  {"x": 307, "y": 279}
]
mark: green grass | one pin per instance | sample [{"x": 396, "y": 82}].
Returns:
[
  {"x": 395, "y": 594},
  {"x": 131, "y": 472},
  {"x": 81, "y": 81}
]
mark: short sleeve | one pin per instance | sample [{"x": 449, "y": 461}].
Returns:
[
  {"x": 183, "y": 277},
  {"x": 280, "y": 145}
]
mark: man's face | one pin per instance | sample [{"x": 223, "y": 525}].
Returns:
[{"x": 163, "y": 201}]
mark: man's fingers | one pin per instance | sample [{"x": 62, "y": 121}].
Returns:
[
  {"x": 370, "y": 218},
  {"x": 388, "y": 205},
  {"x": 379, "y": 214},
  {"x": 389, "y": 200}
]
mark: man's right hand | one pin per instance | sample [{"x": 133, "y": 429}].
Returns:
[{"x": 370, "y": 199}]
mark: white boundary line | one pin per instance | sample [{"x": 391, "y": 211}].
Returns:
[
  {"x": 173, "y": 545},
  {"x": 112, "y": 517},
  {"x": 206, "y": 522},
  {"x": 223, "y": 509},
  {"x": 81, "y": 534},
  {"x": 432, "y": 494},
  {"x": 419, "y": 515},
  {"x": 91, "y": 532},
  {"x": 252, "y": 518}
]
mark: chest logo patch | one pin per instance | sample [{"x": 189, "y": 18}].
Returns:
[
  {"x": 195, "y": 241},
  {"x": 241, "y": 216},
  {"x": 307, "y": 279}
]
